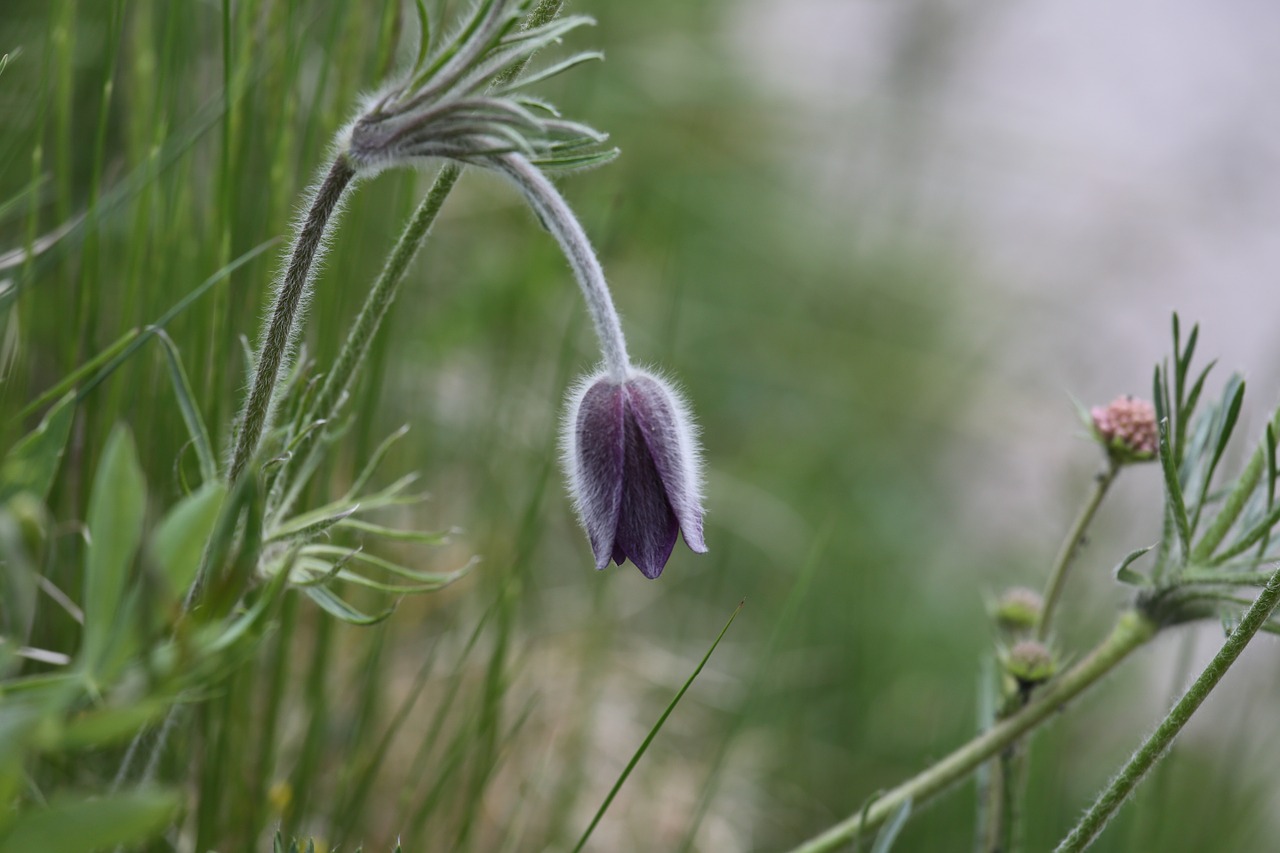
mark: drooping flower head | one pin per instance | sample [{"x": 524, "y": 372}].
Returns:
[{"x": 631, "y": 456}]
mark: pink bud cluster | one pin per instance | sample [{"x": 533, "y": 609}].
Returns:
[{"x": 1127, "y": 425}]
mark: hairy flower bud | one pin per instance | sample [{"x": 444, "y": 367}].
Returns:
[
  {"x": 1018, "y": 610},
  {"x": 1030, "y": 663},
  {"x": 631, "y": 456},
  {"x": 1127, "y": 429}
]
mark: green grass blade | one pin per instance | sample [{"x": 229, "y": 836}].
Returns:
[
  {"x": 117, "y": 508},
  {"x": 183, "y": 304},
  {"x": 653, "y": 732},
  {"x": 190, "y": 411},
  {"x": 888, "y": 835},
  {"x": 31, "y": 464}
]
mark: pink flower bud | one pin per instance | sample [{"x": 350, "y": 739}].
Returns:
[
  {"x": 1127, "y": 428},
  {"x": 631, "y": 455}
]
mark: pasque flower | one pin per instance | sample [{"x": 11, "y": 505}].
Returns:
[
  {"x": 634, "y": 472},
  {"x": 630, "y": 445}
]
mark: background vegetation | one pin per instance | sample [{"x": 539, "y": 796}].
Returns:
[{"x": 830, "y": 376}]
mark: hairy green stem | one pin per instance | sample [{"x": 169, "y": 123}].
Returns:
[
  {"x": 337, "y": 382},
  {"x": 1155, "y": 746},
  {"x": 1071, "y": 546},
  {"x": 355, "y": 348},
  {"x": 1130, "y": 632},
  {"x": 292, "y": 292}
]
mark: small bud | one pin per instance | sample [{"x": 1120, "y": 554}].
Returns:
[
  {"x": 631, "y": 456},
  {"x": 1127, "y": 429},
  {"x": 1030, "y": 663},
  {"x": 1018, "y": 610}
]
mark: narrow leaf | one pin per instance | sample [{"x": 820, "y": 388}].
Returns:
[
  {"x": 31, "y": 464},
  {"x": 1173, "y": 490},
  {"x": 1124, "y": 574},
  {"x": 190, "y": 411},
  {"x": 117, "y": 508},
  {"x": 98, "y": 823},
  {"x": 889, "y": 834},
  {"x": 653, "y": 732},
  {"x": 178, "y": 543},
  {"x": 335, "y": 606},
  {"x": 426, "y": 537}
]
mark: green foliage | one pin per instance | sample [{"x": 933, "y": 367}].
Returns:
[{"x": 150, "y": 157}]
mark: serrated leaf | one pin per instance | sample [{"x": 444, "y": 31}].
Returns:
[
  {"x": 31, "y": 464},
  {"x": 117, "y": 509},
  {"x": 179, "y": 540},
  {"x": 97, "y": 823}
]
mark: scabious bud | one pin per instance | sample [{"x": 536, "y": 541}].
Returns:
[
  {"x": 1127, "y": 429},
  {"x": 1030, "y": 663},
  {"x": 631, "y": 456},
  {"x": 1018, "y": 610}
]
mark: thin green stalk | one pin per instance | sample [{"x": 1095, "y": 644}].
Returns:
[
  {"x": 1110, "y": 800},
  {"x": 653, "y": 732},
  {"x": 338, "y": 380},
  {"x": 1130, "y": 632},
  {"x": 1071, "y": 546}
]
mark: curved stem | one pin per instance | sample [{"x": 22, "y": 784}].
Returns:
[
  {"x": 1110, "y": 800},
  {"x": 564, "y": 226},
  {"x": 1071, "y": 546},
  {"x": 1130, "y": 632},
  {"x": 291, "y": 293}
]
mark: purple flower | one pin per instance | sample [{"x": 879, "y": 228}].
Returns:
[{"x": 631, "y": 455}]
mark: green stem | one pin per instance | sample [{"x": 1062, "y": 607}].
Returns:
[
  {"x": 1131, "y": 631},
  {"x": 1110, "y": 800},
  {"x": 1071, "y": 546},
  {"x": 290, "y": 295},
  {"x": 356, "y": 347},
  {"x": 338, "y": 381}
]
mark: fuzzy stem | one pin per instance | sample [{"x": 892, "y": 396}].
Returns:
[
  {"x": 1071, "y": 546},
  {"x": 374, "y": 310},
  {"x": 1131, "y": 631},
  {"x": 278, "y": 337},
  {"x": 337, "y": 382},
  {"x": 1110, "y": 800},
  {"x": 556, "y": 216}
]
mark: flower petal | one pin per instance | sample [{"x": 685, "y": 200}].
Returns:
[
  {"x": 670, "y": 438},
  {"x": 647, "y": 526},
  {"x": 596, "y": 457}
]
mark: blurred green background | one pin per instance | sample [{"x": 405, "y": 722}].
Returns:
[{"x": 838, "y": 357}]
